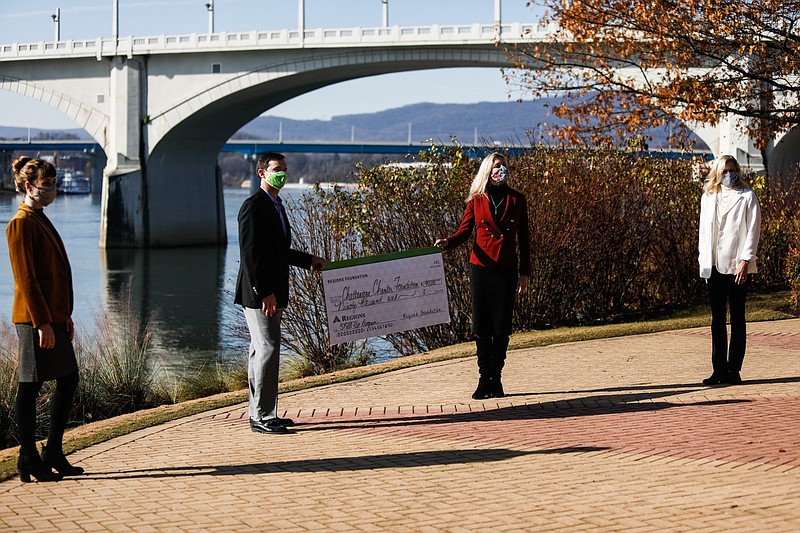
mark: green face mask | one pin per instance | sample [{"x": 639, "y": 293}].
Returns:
[{"x": 276, "y": 179}]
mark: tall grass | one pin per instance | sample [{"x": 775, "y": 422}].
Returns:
[{"x": 8, "y": 383}]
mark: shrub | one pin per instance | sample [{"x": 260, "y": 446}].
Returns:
[
  {"x": 780, "y": 211},
  {"x": 612, "y": 234},
  {"x": 8, "y": 384},
  {"x": 400, "y": 208},
  {"x": 204, "y": 379},
  {"x": 305, "y": 322},
  {"x": 793, "y": 274},
  {"x": 118, "y": 371}
]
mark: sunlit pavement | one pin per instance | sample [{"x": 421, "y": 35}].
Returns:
[{"x": 608, "y": 435}]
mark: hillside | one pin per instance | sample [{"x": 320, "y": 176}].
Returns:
[
  {"x": 498, "y": 121},
  {"x": 488, "y": 121}
]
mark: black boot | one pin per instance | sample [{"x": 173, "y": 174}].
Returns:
[
  {"x": 60, "y": 406},
  {"x": 58, "y": 462},
  {"x": 496, "y": 387},
  {"x": 484, "y": 389},
  {"x": 484, "y": 352},
  {"x": 499, "y": 349},
  {"x": 30, "y": 464}
]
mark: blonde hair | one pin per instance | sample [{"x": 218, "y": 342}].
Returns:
[
  {"x": 713, "y": 182},
  {"x": 31, "y": 170},
  {"x": 478, "y": 187}
]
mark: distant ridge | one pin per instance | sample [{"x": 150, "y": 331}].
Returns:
[
  {"x": 15, "y": 133},
  {"x": 496, "y": 121},
  {"x": 501, "y": 122}
]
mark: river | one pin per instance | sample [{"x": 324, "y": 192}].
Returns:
[{"x": 186, "y": 292}]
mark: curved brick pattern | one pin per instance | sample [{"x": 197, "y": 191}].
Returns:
[
  {"x": 725, "y": 431},
  {"x": 609, "y": 435}
]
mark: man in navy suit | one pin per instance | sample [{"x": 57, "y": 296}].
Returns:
[{"x": 262, "y": 288}]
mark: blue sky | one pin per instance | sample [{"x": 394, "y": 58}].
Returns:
[{"x": 30, "y": 21}]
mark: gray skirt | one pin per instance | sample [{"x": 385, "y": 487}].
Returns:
[{"x": 37, "y": 364}]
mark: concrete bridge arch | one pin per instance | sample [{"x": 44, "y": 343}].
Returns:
[
  {"x": 182, "y": 138},
  {"x": 784, "y": 158}
]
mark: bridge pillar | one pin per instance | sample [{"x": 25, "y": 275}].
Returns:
[
  {"x": 155, "y": 197},
  {"x": 726, "y": 138},
  {"x": 125, "y": 119},
  {"x": 123, "y": 211}
]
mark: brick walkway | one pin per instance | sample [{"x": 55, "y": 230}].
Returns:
[{"x": 607, "y": 435}]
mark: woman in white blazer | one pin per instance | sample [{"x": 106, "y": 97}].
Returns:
[{"x": 730, "y": 226}]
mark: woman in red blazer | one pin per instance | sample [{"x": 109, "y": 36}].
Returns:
[
  {"x": 42, "y": 312},
  {"x": 499, "y": 215}
]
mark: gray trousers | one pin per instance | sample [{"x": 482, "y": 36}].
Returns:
[{"x": 263, "y": 363}]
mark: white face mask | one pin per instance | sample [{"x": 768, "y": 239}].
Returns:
[
  {"x": 44, "y": 195},
  {"x": 499, "y": 175},
  {"x": 730, "y": 178}
]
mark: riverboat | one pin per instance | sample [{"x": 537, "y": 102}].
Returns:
[{"x": 75, "y": 183}]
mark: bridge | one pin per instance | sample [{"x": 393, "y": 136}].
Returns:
[
  {"x": 256, "y": 147},
  {"x": 161, "y": 108}
]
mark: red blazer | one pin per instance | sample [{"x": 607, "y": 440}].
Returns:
[{"x": 495, "y": 244}]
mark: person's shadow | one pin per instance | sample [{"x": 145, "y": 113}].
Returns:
[
  {"x": 602, "y": 401},
  {"x": 339, "y": 464}
]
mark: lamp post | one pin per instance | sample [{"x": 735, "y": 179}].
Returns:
[
  {"x": 115, "y": 21},
  {"x": 210, "y": 7},
  {"x": 498, "y": 19},
  {"x": 301, "y": 19},
  {"x": 57, "y": 19}
]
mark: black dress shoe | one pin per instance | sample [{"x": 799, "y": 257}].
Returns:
[
  {"x": 270, "y": 426},
  {"x": 59, "y": 463},
  {"x": 734, "y": 378},
  {"x": 715, "y": 379},
  {"x": 288, "y": 422}
]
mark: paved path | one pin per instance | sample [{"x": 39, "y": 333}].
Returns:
[{"x": 607, "y": 435}]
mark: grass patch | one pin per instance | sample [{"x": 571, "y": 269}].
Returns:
[{"x": 760, "y": 307}]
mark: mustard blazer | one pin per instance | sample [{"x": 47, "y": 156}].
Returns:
[{"x": 42, "y": 275}]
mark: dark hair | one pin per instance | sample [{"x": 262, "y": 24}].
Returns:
[
  {"x": 31, "y": 170},
  {"x": 263, "y": 161}
]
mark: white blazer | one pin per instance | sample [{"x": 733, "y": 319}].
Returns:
[{"x": 739, "y": 231}]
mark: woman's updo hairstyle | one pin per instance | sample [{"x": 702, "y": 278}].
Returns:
[{"x": 29, "y": 169}]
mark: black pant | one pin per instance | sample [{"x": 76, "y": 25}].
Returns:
[{"x": 723, "y": 291}]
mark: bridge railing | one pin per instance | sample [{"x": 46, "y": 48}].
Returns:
[{"x": 199, "y": 42}]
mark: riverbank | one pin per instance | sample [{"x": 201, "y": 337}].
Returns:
[{"x": 769, "y": 306}]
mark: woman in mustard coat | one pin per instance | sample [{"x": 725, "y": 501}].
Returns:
[
  {"x": 42, "y": 312},
  {"x": 499, "y": 216}
]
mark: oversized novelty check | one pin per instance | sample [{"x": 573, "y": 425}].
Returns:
[{"x": 382, "y": 294}]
